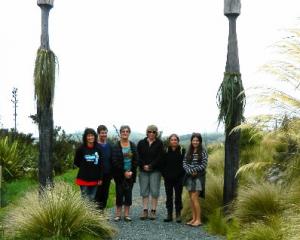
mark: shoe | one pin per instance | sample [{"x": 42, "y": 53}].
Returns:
[
  {"x": 152, "y": 214},
  {"x": 178, "y": 217},
  {"x": 127, "y": 219},
  {"x": 144, "y": 215},
  {"x": 169, "y": 217},
  {"x": 117, "y": 218}
]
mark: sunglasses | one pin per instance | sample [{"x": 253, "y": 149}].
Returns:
[{"x": 154, "y": 132}]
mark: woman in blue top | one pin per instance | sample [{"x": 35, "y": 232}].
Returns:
[
  {"x": 124, "y": 161},
  {"x": 194, "y": 165}
]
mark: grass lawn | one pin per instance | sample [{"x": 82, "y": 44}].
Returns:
[{"x": 17, "y": 189}]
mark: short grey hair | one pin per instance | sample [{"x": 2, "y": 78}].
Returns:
[{"x": 125, "y": 127}]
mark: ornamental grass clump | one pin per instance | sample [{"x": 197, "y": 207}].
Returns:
[
  {"x": 57, "y": 213},
  {"x": 258, "y": 202},
  {"x": 261, "y": 230}
]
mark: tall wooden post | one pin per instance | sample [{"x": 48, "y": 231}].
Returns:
[
  {"x": 44, "y": 107},
  {"x": 232, "y": 75}
]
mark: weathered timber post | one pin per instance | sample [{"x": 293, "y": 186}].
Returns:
[
  {"x": 231, "y": 102},
  {"x": 44, "y": 81}
]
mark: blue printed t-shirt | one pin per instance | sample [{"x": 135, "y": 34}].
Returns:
[{"x": 127, "y": 154}]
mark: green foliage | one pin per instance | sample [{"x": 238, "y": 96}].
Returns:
[
  {"x": 58, "y": 212},
  {"x": 9, "y": 158},
  {"x": 16, "y": 189},
  {"x": 19, "y": 154},
  {"x": 231, "y": 101},
  {"x": 64, "y": 147},
  {"x": 258, "y": 202},
  {"x": 44, "y": 78}
]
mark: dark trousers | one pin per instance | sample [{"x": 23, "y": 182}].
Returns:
[
  {"x": 171, "y": 186},
  {"x": 124, "y": 193},
  {"x": 103, "y": 192},
  {"x": 88, "y": 192}
]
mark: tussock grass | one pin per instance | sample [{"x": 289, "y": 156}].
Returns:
[
  {"x": 263, "y": 231},
  {"x": 58, "y": 213},
  {"x": 213, "y": 196},
  {"x": 216, "y": 162},
  {"x": 217, "y": 223},
  {"x": 186, "y": 212},
  {"x": 259, "y": 201}
]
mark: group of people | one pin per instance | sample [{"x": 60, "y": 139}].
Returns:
[{"x": 99, "y": 162}]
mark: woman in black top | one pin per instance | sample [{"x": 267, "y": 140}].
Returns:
[
  {"x": 173, "y": 172},
  {"x": 124, "y": 161},
  {"x": 150, "y": 150},
  {"x": 89, "y": 160}
]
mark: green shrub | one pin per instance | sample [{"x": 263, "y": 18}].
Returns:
[
  {"x": 58, "y": 212},
  {"x": 258, "y": 201}
]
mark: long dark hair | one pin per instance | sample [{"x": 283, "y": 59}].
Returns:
[
  {"x": 86, "y": 132},
  {"x": 190, "y": 152}
]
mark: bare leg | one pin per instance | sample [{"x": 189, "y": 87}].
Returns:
[
  {"x": 118, "y": 211},
  {"x": 126, "y": 210},
  {"x": 195, "y": 199},
  {"x": 154, "y": 203},
  {"x": 193, "y": 210},
  {"x": 145, "y": 202}
]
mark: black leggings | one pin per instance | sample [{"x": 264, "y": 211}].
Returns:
[
  {"x": 124, "y": 193},
  {"x": 103, "y": 192},
  {"x": 173, "y": 185}
]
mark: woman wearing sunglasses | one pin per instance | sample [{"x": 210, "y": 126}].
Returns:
[{"x": 150, "y": 151}]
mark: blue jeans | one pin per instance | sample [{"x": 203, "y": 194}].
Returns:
[{"x": 88, "y": 192}]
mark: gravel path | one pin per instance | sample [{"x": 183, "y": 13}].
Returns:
[{"x": 154, "y": 229}]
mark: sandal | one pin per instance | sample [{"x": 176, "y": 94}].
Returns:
[
  {"x": 117, "y": 218},
  {"x": 127, "y": 219}
]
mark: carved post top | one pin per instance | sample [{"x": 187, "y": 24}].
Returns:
[
  {"x": 232, "y": 7},
  {"x": 45, "y": 2}
]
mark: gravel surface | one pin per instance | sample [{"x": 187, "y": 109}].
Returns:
[{"x": 155, "y": 229}]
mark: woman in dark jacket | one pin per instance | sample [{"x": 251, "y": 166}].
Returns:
[
  {"x": 173, "y": 172},
  {"x": 124, "y": 161},
  {"x": 89, "y": 160},
  {"x": 150, "y": 150}
]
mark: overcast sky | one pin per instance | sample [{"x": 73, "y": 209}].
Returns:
[{"x": 134, "y": 62}]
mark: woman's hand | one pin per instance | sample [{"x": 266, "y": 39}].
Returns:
[
  {"x": 99, "y": 182},
  {"x": 128, "y": 174},
  {"x": 146, "y": 168},
  {"x": 194, "y": 174}
]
